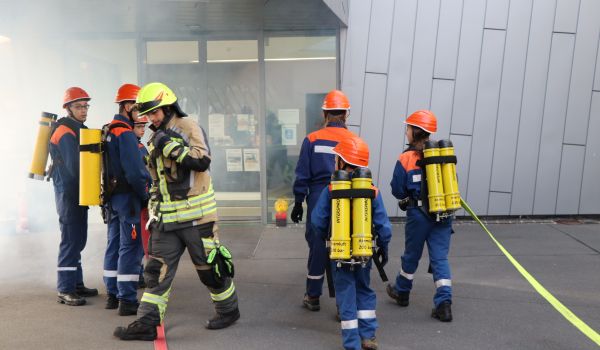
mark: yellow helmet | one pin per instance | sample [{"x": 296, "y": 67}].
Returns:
[{"x": 155, "y": 95}]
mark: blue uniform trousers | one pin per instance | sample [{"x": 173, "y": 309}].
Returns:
[
  {"x": 356, "y": 302},
  {"x": 421, "y": 229},
  {"x": 73, "y": 229},
  {"x": 124, "y": 249},
  {"x": 317, "y": 255}
]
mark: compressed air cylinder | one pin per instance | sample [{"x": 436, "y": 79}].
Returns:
[
  {"x": 362, "y": 240},
  {"x": 437, "y": 203},
  {"x": 90, "y": 160},
  {"x": 449, "y": 179},
  {"x": 340, "y": 218},
  {"x": 40, "y": 152}
]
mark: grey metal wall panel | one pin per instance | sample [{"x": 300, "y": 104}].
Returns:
[
  {"x": 355, "y": 53},
  {"x": 467, "y": 73},
  {"x": 354, "y": 128},
  {"x": 423, "y": 55},
  {"x": 582, "y": 77},
  {"x": 569, "y": 185},
  {"x": 441, "y": 106},
  {"x": 496, "y": 14},
  {"x": 597, "y": 78},
  {"x": 499, "y": 203},
  {"x": 486, "y": 112},
  {"x": 532, "y": 107},
  {"x": 397, "y": 96},
  {"x": 462, "y": 148},
  {"x": 513, "y": 74},
  {"x": 566, "y": 16},
  {"x": 373, "y": 109},
  {"x": 555, "y": 109},
  {"x": 589, "y": 202},
  {"x": 380, "y": 30},
  {"x": 448, "y": 36}
]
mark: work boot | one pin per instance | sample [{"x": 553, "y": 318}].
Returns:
[
  {"x": 368, "y": 344},
  {"x": 311, "y": 303},
  {"x": 223, "y": 320},
  {"x": 443, "y": 312},
  {"x": 127, "y": 308},
  {"x": 86, "y": 292},
  {"x": 72, "y": 299},
  {"x": 400, "y": 297},
  {"x": 136, "y": 331},
  {"x": 111, "y": 302}
]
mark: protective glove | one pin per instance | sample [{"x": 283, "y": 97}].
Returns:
[
  {"x": 160, "y": 139},
  {"x": 403, "y": 204},
  {"x": 383, "y": 253},
  {"x": 297, "y": 212}
]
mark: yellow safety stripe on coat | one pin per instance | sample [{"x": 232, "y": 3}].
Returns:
[
  {"x": 162, "y": 182},
  {"x": 570, "y": 316},
  {"x": 189, "y": 215},
  {"x": 159, "y": 300},
  {"x": 209, "y": 243},
  {"x": 194, "y": 201},
  {"x": 182, "y": 155},
  {"x": 169, "y": 147},
  {"x": 223, "y": 295}
]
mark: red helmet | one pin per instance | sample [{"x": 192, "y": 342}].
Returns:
[
  {"x": 336, "y": 99},
  {"x": 423, "y": 119},
  {"x": 143, "y": 119},
  {"x": 353, "y": 150},
  {"x": 127, "y": 92},
  {"x": 75, "y": 94}
]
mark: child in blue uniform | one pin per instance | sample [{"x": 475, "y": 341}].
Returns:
[
  {"x": 420, "y": 226},
  {"x": 355, "y": 299}
]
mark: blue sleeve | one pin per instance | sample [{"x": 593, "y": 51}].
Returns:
[
  {"x": 302, "y": 172},
  {"x": 69, "y": 151},
  {"x": 381, "y": 222},
  {"x": 399, "y": 182},
  {"x": 320, "y": 217},
  {"x": 132, "y": 164}
]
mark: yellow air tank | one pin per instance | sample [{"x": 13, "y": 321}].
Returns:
[
  {"x": 362, "y": 239},
  {"x": 435, "y": 187},
  {"x": 90, "y": 160},
  {"x": 340, "y": 218},
  {"x": 40, "y": 152},
  {"x": 449, "y": 179}
]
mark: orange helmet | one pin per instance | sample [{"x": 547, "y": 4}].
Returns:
[
  {"x": 336, "y": 99},
  {"x": 127, "y": 92},
  {"x": 75, "y": 94},
  {"x": 423, "y": 119},
  {"x": 143, "y": 119},
  {"x": 353, "y": 150}
]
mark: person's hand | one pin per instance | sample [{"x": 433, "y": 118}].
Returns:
[
  {"x": 297, "y": 212},
  {"x": 160, "y": 139},
  {"x": 382, "y": 253}
]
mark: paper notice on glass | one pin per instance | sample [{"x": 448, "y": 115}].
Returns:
[
  {"x": 216, "y": 125},
  {"x": 242, "y": 122},
  {"x": 288, "y": 135},
  {"x": 251, "y": 159},
  {"x": 288, "y": 116},
  {"x": 234, "y": 159}
]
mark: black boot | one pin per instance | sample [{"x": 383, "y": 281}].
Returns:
[
  {"x": 72, "y": 299},
  {"x": 111, "y": 302},
  {"x": 86, "y": 292},
  {"x": 400, "y": 297},
  {"x": 443, "y": 312},
  {"x": 136, "y": 331},
  {"x": 223, "y": 320},
  {"x": 127, "y": 308},
  {"x": 311, "y": 303}
]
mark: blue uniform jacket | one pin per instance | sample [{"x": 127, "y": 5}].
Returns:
[
  {"x": 321, "y": 218},
  {"x": 317, "y": 160},
  {"x": 64, "y": 149},
  {"x": 407, "y": 178},
  {"x": 124, "y": 158}
]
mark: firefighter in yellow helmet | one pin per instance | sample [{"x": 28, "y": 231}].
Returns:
[{"x": 183, "y": 214}]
